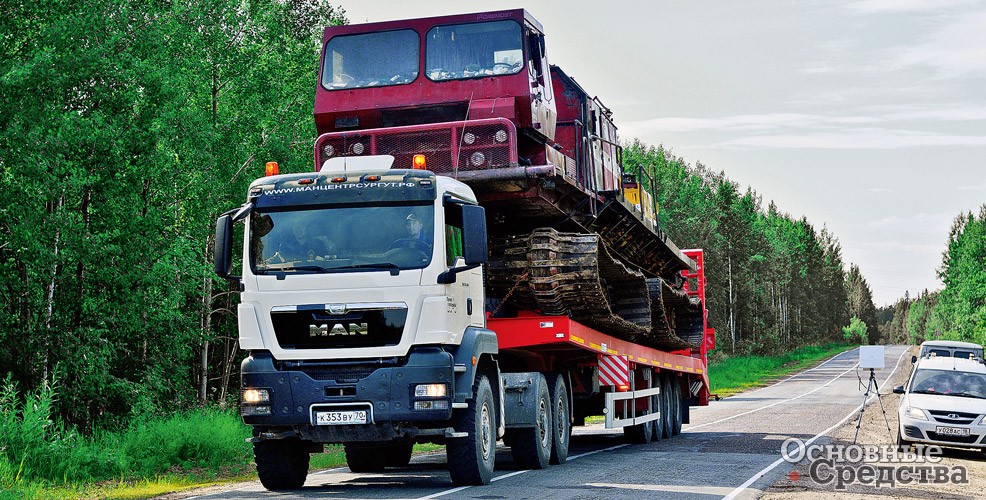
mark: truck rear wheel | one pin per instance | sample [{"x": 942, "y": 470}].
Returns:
[
  {"x": 666, "y": 408},
  {"x": 657, "y": 425},
  {"x": 366, "y": 457},
  {"x": 562, "y": 431},
  {"x": 640, "y": 433},
  {"x": 471, "y": 458},
  {"x": 282, "y": 464},
  {"x": 675, "y": 406},
  {"x": 531, "y": 447}
]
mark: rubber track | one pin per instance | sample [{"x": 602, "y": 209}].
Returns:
[{"x": 573, "y": 274}]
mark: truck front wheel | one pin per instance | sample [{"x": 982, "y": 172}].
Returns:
[
  {"x": 282, "y": 464},
  {"x": 471, "y": 458},
  {"x": 364, "y": 457},
  {"x": 399, "y": 453}
]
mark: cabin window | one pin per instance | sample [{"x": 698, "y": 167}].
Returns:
[
  {"x": 371, "y": 60},
  {"x": 473, "y": 50}
]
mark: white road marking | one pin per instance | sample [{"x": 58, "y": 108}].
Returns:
[
  {"x": 519, "y": 472},
  {"x": 779, "y": 461},
  {"x": 826, "y": 384},
  {"x": 796, "y": 375}
]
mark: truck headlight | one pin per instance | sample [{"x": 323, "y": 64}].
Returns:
[
  {"x": 430, "y": 390},
  {"x": 915, "y": 413},
  {"x": 254, "y": 396}
]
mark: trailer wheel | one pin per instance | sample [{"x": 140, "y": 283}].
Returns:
[
  {"x": 657, "y": 425},
  {"x": 666, "y": 408},
  {"x": 471, "y": 458},
  {"x": 282, "y": 464},
  {"x": 398, "y": 453},
  {"x": 675, "y": 407},
  {"x": 562, "y": 429},
  {"x": 365, "y": 457},
  {"x": 531, "y": 447},
  {"x": 640, "y": 433}
]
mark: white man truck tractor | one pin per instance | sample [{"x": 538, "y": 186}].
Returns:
[{"x": 469, "y": 262}]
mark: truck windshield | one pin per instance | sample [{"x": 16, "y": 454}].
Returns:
[
  {"x": 371, "y": 60},
  {"x": 341, "y": 239},
  {"x": 949, "y": 382},
  {"x": 473, "y": 50}
]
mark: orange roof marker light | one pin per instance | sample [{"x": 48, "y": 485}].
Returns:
[
  {"x": 271, "y": 168},
  {"x": 419, "y": 162}
]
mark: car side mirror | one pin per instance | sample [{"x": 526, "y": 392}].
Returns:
[
  {"x": 914, "y": 359},
  {"x": 899, "y": 389}
]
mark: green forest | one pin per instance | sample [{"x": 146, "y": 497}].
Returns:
[{"x": 127, "y": 127}]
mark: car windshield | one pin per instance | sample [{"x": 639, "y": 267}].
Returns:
[
  {"x": 341, "y": 239},
  {"x": 949, "y": 382},
  {"x": 371, "y": 60},
  {"x": 473, "y": 50}
]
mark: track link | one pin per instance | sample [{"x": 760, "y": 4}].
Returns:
[{"x": 574, "y": 274}]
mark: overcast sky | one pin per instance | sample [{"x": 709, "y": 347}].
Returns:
[{"x": 868, "y": 117}]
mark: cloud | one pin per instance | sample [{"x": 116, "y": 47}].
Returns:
[
  {"x": 974, "y": 187},
  {"x": 883, "y": 6},
  {"x": 944, "y": 112},
  {"x": 858, "y": 138},
  {"x": 933, "y": 222},
  {"x": 766, "y": 121},
  {"x": 958, "y": 49}
]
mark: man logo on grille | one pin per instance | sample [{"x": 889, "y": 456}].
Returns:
[{"x": 337, "y": 329}]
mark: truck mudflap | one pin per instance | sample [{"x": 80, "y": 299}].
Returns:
[{"x": 362, "y": 399}]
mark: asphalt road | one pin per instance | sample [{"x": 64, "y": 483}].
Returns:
[{"x": 731, "y": 449}]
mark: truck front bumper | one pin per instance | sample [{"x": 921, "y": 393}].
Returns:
[{"x": 297, "y": 392}]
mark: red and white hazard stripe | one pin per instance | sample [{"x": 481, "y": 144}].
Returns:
[{"x": 614, "y": 370}]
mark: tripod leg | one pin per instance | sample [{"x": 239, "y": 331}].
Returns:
[
  {"x": 862, "y": 407},
  {"x": 884, "y": 410}
]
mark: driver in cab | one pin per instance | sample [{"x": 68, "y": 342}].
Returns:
[{"x": 417, "y": 237}]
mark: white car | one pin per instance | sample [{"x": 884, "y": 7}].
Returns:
[
  {"x": 953, "y": 348},
  {"x": 944, "y": 403}
]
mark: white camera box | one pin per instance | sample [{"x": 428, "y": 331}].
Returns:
[{"x": 871, "y": 356}]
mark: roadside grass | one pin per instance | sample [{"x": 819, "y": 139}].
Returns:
[
  {"x": 42, "y": 457},
  {"x": 731, "y": 375}
]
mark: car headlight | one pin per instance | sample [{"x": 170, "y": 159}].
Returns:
[{"x": 915, "y": 413}]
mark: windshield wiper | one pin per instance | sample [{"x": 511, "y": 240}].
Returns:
[
  {"x": 310, "y": 269},
  {"x": 379, "y": 265},
  {"x": 390, "y": 266}
]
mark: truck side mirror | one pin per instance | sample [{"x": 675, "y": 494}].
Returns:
[
  {"x": 474, "y": 235},
  {"x": 474, "y": 250},
  {"x": 899, "y": 389},
  {"x": 222, "y": 257}
]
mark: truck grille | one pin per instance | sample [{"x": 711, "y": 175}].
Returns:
[
  {"x": 314, "y": 328},
  {"x": 448, "y": 147}
]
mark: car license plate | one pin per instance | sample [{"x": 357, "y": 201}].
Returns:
[
  {"x": 952, "y": 431},
  {"x": 340, "y": 417}
]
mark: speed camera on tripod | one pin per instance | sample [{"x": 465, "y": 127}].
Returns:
[{"x": 871, "y": 357}]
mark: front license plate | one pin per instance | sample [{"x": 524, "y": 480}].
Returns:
[
  {"x": 952, "y": 431},
  {"x": 340, "y": 417}
]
